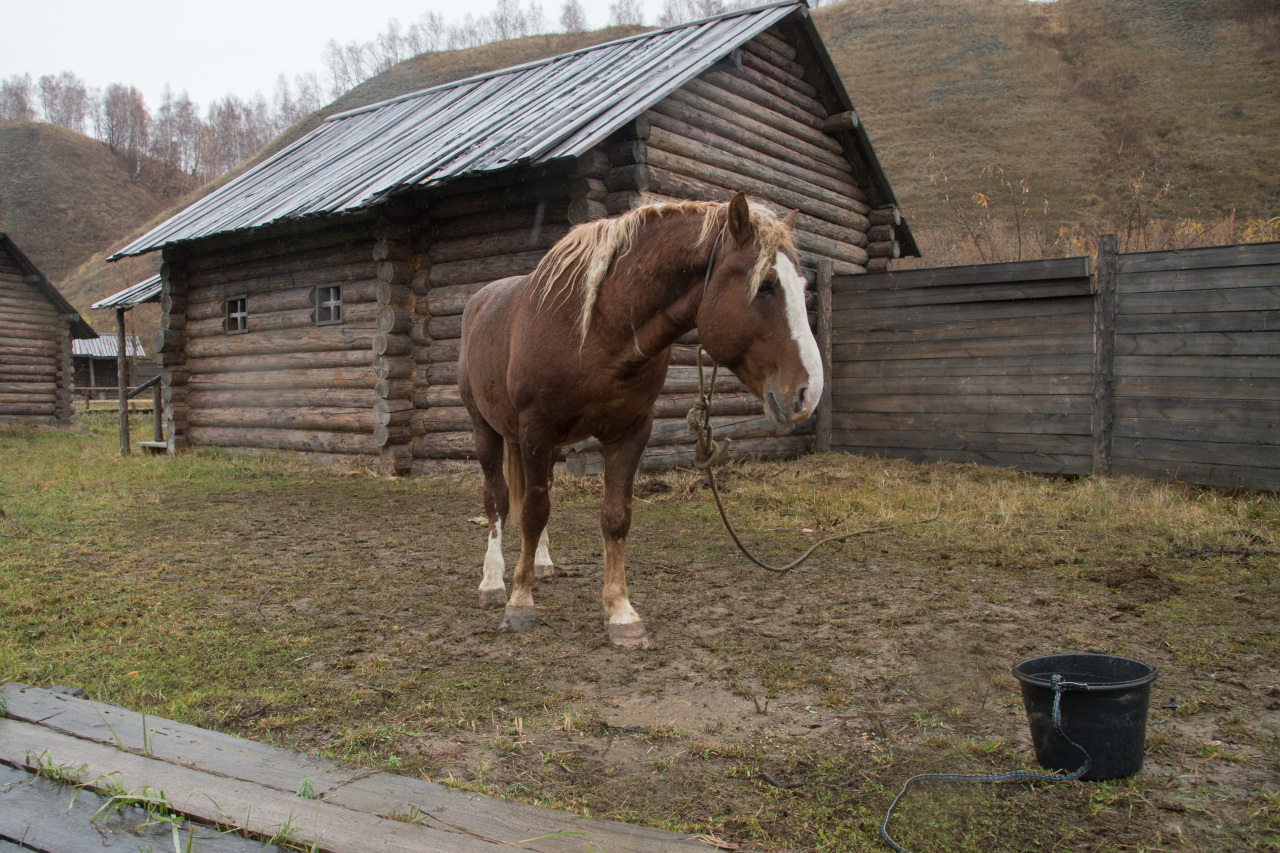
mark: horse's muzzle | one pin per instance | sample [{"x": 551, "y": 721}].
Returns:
[{"x": 785, "y": 413}]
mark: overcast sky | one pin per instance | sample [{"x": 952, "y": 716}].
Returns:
[{"x": 212, "y": 48}]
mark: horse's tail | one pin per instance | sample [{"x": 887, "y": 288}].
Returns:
[{"x": 513, "y": 467}]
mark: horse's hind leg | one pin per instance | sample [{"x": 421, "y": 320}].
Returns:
[
  {"x": 621, "y": 460},
  {"x": 488, "y": 441},
  {"x": 520, "y": 613}
]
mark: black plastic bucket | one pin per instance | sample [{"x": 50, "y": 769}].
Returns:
[{"x": 1104, "y": 709}]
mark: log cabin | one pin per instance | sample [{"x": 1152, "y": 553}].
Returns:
[
  {"x": 37, "y": 326},
  {"x": 315, "y": 302},
  {"x": 97, "y": 365}
]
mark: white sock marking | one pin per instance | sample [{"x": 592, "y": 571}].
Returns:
[
  {"x": 798, "y": 322},
  {"x": 494, "y": 566},
  {"x": 542, "y": 557}
]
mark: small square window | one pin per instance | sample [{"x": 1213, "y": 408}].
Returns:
[
  {"x": 328, "y": 305},
  {"x": 237, "y": 315}
]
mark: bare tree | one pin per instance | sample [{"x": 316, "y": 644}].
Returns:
[
  {"x": 17, "y": 99},
  {"x": 573, "y": 19},
  {"x": 64, "y": 100},
  {"x": 126, "y": 125},
  {"x": 534, "y": 22},
  {"x": 508, "y": 19},
  {"x": 428, "y": 34},
  {"x": 626, "y": 13},
  {"x": 679, "y": 11}
]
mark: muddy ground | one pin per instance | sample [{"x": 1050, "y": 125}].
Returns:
[{"x": 777, "y": 710}]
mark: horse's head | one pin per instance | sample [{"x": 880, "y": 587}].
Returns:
[{"x": 753, "y": 320}]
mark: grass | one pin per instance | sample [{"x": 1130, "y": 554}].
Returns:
[{"x": 274, "y": 600}]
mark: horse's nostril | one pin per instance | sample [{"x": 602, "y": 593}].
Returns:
[{"x": 799, "y": 406}]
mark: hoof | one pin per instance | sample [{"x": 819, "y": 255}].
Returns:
[
  {"x": 519, "y": 619},
  {"x": 493, "y": 597},
  {"x": 632, "y": 635},
  {"x": 544, "y": 570}
]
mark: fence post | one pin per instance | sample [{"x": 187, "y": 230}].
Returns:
[
  {"x": 122, "y": 374},
  {"x": 1104, "y": 352},
  {"x": 822, "y": 441}
]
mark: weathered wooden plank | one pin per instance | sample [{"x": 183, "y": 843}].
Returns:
[
  {"x": 1221, "y": 388},
  {"x": 1201, "y": 452},
  {"x": 1201, "y": 344},
  {"x": 1071, "y": 445},
  {"x": 1207, "y": 474},
  {"x": 995, "y": 385},
  {"x": 284, "y": 439},
  {"x": 1047, "y": 404},
  {"x": 364, "y": 315},
  {"x": 1260, "y": 367},
  {"x": 303, "y": 380},
  {"x": 684, "y": 380},
  {"x": 962, "y": 369},
  {"x": 968, "y": 423},
  {"x": 228, "y": 801},
  {"x": 1046, "y": 344},
  {"x": 1018, "y": 272},
  {"x": 326, "y": 419},
  {"x": 1212, "y": 278},
  {"x": 1186, "y": 408},
  {"x": 1188, "y": 322},
  {"x": 1260, "y": 432},
  {"x": 1043, "y": 463},
  {"x": 966, "y": 312},
  {"x": 1104, "y": 346},
  {"x": 485, "y": 269},
  {"x": 1003, "y": 292},
  {"x": 1189, "y": 259},
  {"x": 1200, "y": 301},
  {"x": 1066, "y": 324}
]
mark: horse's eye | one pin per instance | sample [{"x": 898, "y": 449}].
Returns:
[{"x": 766, "y": 289}]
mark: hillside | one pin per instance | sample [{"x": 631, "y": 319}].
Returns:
[
  {"x": 64, "y": 196},
  {"x": 1077, "y": 98}
]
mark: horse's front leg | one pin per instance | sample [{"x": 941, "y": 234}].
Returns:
[
  {"x": 489, "y": 448},
  {"x": 621, "y": 459},
  {"x": 538, "y": 459}
]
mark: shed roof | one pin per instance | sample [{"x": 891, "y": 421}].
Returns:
[
  {"x": 524, "y": 115},
  {"x": 109, "y": 347},
  {"x": 80, "y": 329},
  {"x": 147, "y": 290}
]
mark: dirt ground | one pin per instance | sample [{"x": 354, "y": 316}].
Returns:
[{"x": 778, "y": 711}]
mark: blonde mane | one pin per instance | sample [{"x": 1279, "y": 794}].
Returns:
[{"x": 581, "y": 260}]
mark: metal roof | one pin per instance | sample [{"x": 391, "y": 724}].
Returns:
[
  {"x": 109, "y": 347},
  {"x": 80, "y": 328},
  {"x": 528, "y": 114},
  {"x": 147, "y": 290}
]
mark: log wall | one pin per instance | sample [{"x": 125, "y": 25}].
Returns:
[{"x": 36, "y": 373}]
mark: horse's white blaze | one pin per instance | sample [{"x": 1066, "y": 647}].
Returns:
[
  {"x": 542, "y": 557},
  {"x": 493, "y": 562},
  {"x": 798, "y": 322}
]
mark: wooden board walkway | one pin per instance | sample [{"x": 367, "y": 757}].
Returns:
[{"x": 214, "y": 778}]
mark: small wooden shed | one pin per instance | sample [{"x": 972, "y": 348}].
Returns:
[
  {"x": 37, "y": 325},
  {"x": 97, "y": 365},
  {"x": 315, "y": 302}
]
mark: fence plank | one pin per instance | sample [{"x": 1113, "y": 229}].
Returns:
[
  {"x": 1200, "y": 452},
  {"x": 1201, "y": 344},
  {"x": 1069, "y": 324},
  {"x": 1190, "y": 259},
  {"x": 1194, "y": 322},
  {"x": 1261, "y": 433},
  {"x": 1051, "y": 289},
  {"x": 1198, "y": 386},
  {"x": 966, "y": 422},
  {"x": 985, "y": 274},
  {"x": 970, "y": 348},
  {"x": 857, "y": 317},
  {"x": 1044, "y": 463},
  {"x": 965, "y": 368},
  {"x": 1229, "y": 476},
  {"x": 1212, "y": 278},
  {"x": 1227, "y": 366},
  {"x": 1197, "y": 301},
  {"x": 1183, "y": 408},
  {"x": 1076, "y": 445},
  {"x": 977, "y": 386},
  {"x": 1048, "y": 404}
]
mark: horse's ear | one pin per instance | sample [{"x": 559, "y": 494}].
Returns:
[
  {"x": 740, "y": 220},
  {"x": 790, "y": 221}
]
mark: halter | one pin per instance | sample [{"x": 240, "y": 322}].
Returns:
[{"x": 711, "y": 262}]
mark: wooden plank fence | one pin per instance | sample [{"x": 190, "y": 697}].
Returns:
[{"x": 1163, "y": 364}]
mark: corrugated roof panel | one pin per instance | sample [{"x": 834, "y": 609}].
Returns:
[
  {"x": 108, "y": 346},
  {"x": 534, "y": 113},
  {"x": 147, "y": 290}
]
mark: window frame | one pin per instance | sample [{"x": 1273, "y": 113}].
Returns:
[
  {"x": 241, "y": 317},
  {"x": 333, "y": 305}
]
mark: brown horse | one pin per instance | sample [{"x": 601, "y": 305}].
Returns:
[{"x": 580, "y": 348}]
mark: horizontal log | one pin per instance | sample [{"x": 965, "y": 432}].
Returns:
[
  {"x": 385, "y": 250},
  {"x": 385, "y": 435},
  {"x": 393, "y": 389},
  {"x": 782, "y": 142},
  {"x": 591, "y": 164},
  {"x": 760, "y": 60},
  {"x": 482, "y": 270},
  {"x": 778, "y": 95},
  {"x": 885, "y": 216},
  {"x": 889, "y": 249},
  {"x": 305, "y": 340},
  {"x": 439, "y": 328},
  {"x": 445, "y": 445},
  {"x": 500, "y": 243},
  {"x": 175, "y": 393},
  {"x": 444, "y": 374},
  {"x": 280, "y": 361},
  {"x": 776, "y": 44},
  {"x": 31, "y": 327},
  {"x": 844, "y": 122},
  {"x": 247, "y": 251},
  {"x": 734, "y": 94},
  {"x": 848, "y": 215},
  {"x": 202, "y": 397},
  {"x": 385, "y": 367},
  {"x": 694, "y": 129},
  {"x": 276, "y": 382},
  {"x": 360, "y": 314},
  {"x": 584, "y": 210},
  {"x": 394, "y": 293},
  {"x": 37, "y": 368},
  {"x": 628, "y": 153},
  {"x": 880, "y": 234},
  {"x": 786, "y": 447},
  {"x": 633, "y": 178},
  {"x": 444, "y": 350},
  {"x": 621, "y": 202},
  {"x": 427, "y": 396},
  {"x": 289, "y": 269},
  {"x": 12, "y": 409},
  {"x": 497, "y": 199},
  {"x": 590, "y": 188},
  {"x": 684, "y": 380},
  {"x": 678, "y": 405},
  {"x": 443, "y": 419},
  {"x": 447, "y": 301},
  {"x": 290, "y": 417},
  {"x": 172, "y": 376},
  {"x": 284, "y": 439},
  {"x": 877, "y": 265},
  {"x": 35, "y": 387},
  {"x": 394, "y": 321},
  {"x": 27, "y": 307},
  {"x": 392, "y": 345},
  {"x": 493, "y": 222}
]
